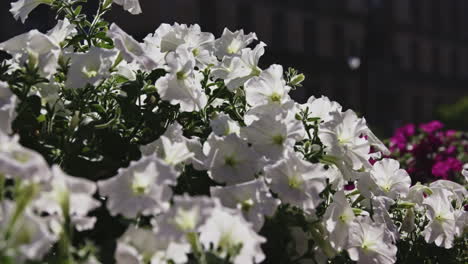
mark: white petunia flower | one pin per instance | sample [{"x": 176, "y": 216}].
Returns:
[
  {"x": 132, "y": 6},
  {"x": 458, "y": 192},
  {"x": 321, "y": 107},
  {"x": 198, "y": 42},
  {"x": 465, "y": 171},
  {"x": 269, "y": 87},
  {"x": 272, "y": 129},
  {"x": 36, "y": 48},
  {"x": 21, "y": 8},
  {"x": 392, "y": 181},
  {"x": 253, "y": 198},
  {"x": 90, "y": 67},
  {"x": 416, "y": 193},
  {"x": 232, "y": 43},
  {"x": 8, "y": 102},
  {"x": 223, "y": 125},
  {"x": 441, "y": 228},
  {"x": 142, "y": 246},
  {"x": 229, "y": 159},
  {"x": 338, "y": 218},
  {"x": 17, "y": 161},
  {"x": 181, "y": 85},
  {"x": 73, "y": 193},
  {"x": 185, "y": 216},
  {"x": 230, "y": 235},
  {"x": 130, "y": 49},
  {"x": 236, "y": 70},
  {"x": 61, "y": 31},
  {"x": 296, "y": 181},
  {"x": 344, "y": 139},
  {"x": 30, "y": 237},
  {"x": 142, "y": 188},
  {"x": 369, "y": 242}
]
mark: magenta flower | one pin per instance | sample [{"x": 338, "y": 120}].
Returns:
[{"x": 431, "y": 126}]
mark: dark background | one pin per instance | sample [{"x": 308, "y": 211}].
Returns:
[{"x": 413, "y": 53}]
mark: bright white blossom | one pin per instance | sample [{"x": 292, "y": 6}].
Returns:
[
  {"x": 132, "y": 6},
  {"x": 441, "y": 228},
  {"x": 130, "y": 49},
  {"x": 229, "y": 159},
  {"x": 321, "y": 107},
  {"x": 391, "y": 180},
  {"x": 142, "y": 188},
  {"x": 90, "y": 67},
  {"x": 338, "y": 219},
  {"x": 231, "y": 235},
  {"x": 181, "y": 85},
  {"x": 370, "y": 243},
  {"x": 223, "y": 125},
  {"x": 231, "y": 43},
  {"x": 297, "y": 182},
  {"x": 21, "y": 8},
  {"x": 269, "y": 87},
  {"x": 252, "y": 198}
]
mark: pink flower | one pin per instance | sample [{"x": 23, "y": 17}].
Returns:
[{"x": 431, "y": 126}]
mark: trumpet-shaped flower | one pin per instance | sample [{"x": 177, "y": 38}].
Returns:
[
  {"x": 185, "y": 216},
  {"x": 36, "y": 48},
  {"x": 296, "y": 181},
  {"x": 338, "y": 219},
  {"x": 272, "y": 129},
  {"x": 181, "y": 85},
  {"x": 199, "y": 43},
  {"x": 253, "y": 198},
  {"x": 441, "y": 228},
  {"x": 75, "y": 194},
  {"x": 142, "y": 246},
  {"x": 229, "y": 234},
  {"x": 130, "y": 49},
  {"x": 229, "y": 159},
  {"x": 142, "y": 188},
  {"x": 321, "y": 107},
  {"x": 392, "y": 181},
  {"x": 21, "y": 8},
  {"x": 344, "y": 139},
  {"x": 369, "y": 242},
  {"x": 17, "y": 161},
  {"x": 8, "y": 103},
  {"x": 90, "y": 67},
  {"x": 236, "y": 70},
  {"x": 30, "y": 237},
  {"x": 132, "y": 6},
  {"x": 269, "y": 87},
  {"x": 223, "y": 125},
  {"x": 231, "y": 43}
]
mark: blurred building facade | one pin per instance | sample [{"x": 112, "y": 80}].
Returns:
[{"x": 392, "y": 60}]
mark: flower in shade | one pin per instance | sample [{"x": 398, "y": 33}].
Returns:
[
  {"x": 230, "y": 235},
  {"x": 142, "y": 188},
  {"x": 8, "y": 103}
]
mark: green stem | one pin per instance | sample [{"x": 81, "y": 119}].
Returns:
[{"x": 197, "y": 248}]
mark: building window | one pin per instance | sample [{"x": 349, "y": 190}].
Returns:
[{"x": 310, "y": 36}]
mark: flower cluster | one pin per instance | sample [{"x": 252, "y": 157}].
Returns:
[
  {"x": 430, "y": 152},
  {"x": 188, "y": 150}
]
